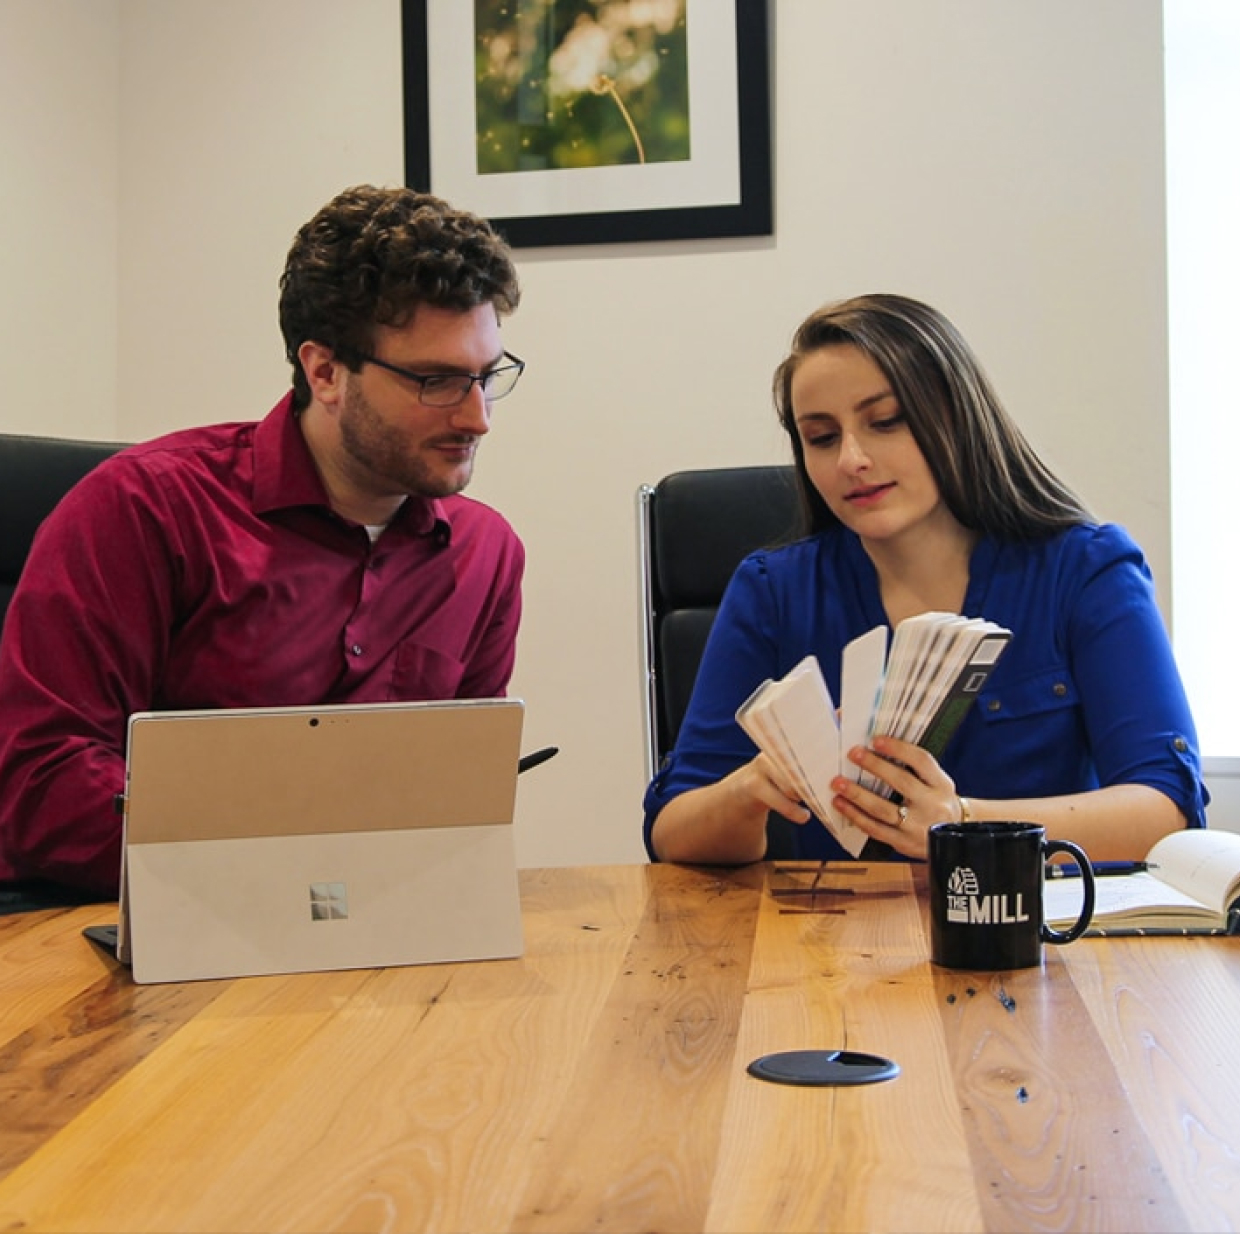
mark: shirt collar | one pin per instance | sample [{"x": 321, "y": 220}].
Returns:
[{"x": 285, "y": 477}]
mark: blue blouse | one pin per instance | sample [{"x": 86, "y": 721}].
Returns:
[{"x": 1086, "y": 694}]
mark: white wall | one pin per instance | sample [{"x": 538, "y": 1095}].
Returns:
[
  {"x": 1002, "y": 160},
  {"x": 238, "y": 119},
  {"x": 59, "y": 68}
]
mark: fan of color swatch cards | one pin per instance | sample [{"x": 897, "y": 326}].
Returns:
[{"x": 918, "y": 692}]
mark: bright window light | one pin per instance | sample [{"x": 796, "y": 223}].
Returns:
[{"x": 1203, "y": 239}]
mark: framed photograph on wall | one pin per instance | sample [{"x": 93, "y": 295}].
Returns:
[{"x": 592, "y": 121}]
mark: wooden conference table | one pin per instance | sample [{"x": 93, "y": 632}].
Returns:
[{"x": 600, "y": 1083}]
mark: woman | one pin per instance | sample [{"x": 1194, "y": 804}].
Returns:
[{"x": 920, "y": 494}]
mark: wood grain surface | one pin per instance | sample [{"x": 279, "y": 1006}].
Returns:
[{"x": 599, "y": 1082}]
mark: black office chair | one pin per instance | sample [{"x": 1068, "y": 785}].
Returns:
[
  {"x": 35, "y": 473},
  {"x": 694, "y": 527}
]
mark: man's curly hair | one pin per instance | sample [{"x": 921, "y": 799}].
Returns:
[{"x": 371, "y": 256}]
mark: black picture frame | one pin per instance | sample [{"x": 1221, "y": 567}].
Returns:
[{"x": 744, "y": 208}]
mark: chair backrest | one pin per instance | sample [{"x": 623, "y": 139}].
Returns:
[
  {"x": 694, "y": 528},
  {"x": 35, "y": 473}
]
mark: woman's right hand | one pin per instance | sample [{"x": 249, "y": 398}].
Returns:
[
  {"x": 725, "y": 822},
  {"x": 760, "y": 785}
]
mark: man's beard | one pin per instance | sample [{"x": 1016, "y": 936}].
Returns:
[{"x": 384, "y": 452}]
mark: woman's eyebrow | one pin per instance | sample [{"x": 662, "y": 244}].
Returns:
[{"x": 865, "y": 405}]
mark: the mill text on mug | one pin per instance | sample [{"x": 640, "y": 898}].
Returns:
[{"x": 966, "y": 906}]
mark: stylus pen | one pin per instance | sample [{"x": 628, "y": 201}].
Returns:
[
  {"x": 1102, "y": 869},
  {"x": 538, "y": 757}
]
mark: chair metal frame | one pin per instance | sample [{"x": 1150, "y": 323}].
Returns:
[{"x": 645, "y": 583}]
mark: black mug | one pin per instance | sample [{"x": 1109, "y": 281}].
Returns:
[{"x": 986, "y": 894}]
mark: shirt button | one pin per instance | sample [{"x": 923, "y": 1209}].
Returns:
[
  {"x": 1059, "y": 689},
  {"x": 356, "y": 649},
  {"x": 993, "y": 705},
  {"x": 1181, "y": 745}
]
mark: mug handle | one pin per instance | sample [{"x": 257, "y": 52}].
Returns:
[{"x": 1087, "y": 882}]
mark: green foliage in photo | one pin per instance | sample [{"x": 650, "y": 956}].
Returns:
[{"x": 580, "y": 83}]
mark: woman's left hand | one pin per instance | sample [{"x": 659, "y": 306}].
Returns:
[{"x": 926, "y": 795}]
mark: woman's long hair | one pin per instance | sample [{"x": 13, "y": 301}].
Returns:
[{"x": 988, "y": 475}]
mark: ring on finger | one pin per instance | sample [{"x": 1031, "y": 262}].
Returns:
[{"x": 901, "y": 817}]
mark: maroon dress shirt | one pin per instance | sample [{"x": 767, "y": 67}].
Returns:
[{"x": 205, "y": 569}]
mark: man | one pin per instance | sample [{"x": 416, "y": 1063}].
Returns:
[{"x": 321, "y": 555}]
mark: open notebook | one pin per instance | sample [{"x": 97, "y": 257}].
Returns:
[{"x": 274, "y": 840}]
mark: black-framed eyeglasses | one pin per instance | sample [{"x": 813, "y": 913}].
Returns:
[{"x": 449, "y": 389}]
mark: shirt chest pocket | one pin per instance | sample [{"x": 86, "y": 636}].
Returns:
[
  {"x": 1045, "y": 695},
  {"x": 423, "y": 673}
]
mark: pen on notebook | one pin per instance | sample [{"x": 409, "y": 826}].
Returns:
[
  {"x": 535, "y": 759},
  {"x": 1101, "y": 869}
]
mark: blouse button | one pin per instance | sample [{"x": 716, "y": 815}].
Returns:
[
  {"x": 1059, "y": 689},
  {"x": 993, "y": 705},
  {"x": 356, "y": 649},
  {"x": 1181, "y": 745}
]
